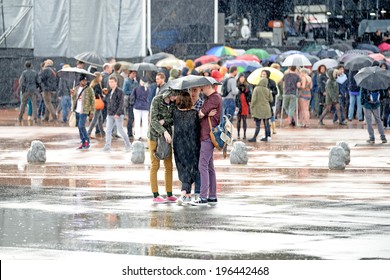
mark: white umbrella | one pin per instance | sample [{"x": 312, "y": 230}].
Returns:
[
  {"x": 296, "y": 60},
  {"x": 328, "y": 62}
]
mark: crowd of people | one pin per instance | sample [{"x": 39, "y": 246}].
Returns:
[{"x": 117, "y": 94}]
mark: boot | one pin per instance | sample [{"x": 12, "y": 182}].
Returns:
[
  {"x": 273, "y": 127},
  {"x": 257, "y": 130},
  {"x": 244, "y": 135}
]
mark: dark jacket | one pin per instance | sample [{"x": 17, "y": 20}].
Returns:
[
  {"x": 243, "y": 89},
  {"x": 321, "y": 82},
  {"x": 29, "y": 81},
  {"x": 64, "y": 87},
  {"x": 115, "y": 102},
  {"x": 365, "y": 95},
  {"x": 332, "y": 88},
  {"x": 352, "y": 83},
  {"x": 140, "y": 95},
  {"x": 48, "y": 79}
]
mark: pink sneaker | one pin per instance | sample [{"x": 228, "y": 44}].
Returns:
[
  {"x": 171, "y": 199},
  {"x": 159, "y": 199}
]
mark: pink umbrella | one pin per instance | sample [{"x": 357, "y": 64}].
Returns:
[
  {"x": 248, "y": 57},
  {"x": 207, "y": 59},
  {"x": 384, "y": 47},
  {"x": 377, "y": 56}
]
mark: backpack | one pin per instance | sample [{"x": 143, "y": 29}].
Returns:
[
  {"x": 373, "y": 97},
  {"x": 224, "y": 88},
  {"x": 222, "y": 134}
]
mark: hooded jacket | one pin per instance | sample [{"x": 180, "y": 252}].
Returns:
[
  {"x": 261, "y": 97},
  {"x": 332, "y": 88},
  {"x": 159, "y": 110}
]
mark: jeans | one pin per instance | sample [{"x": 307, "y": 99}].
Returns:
[
  {"x": 208, "y": 187},
  {"x": 352, "y": 100},
  {"x": 49, "y": 105},
  {"x": 266, "y": 127},
  {"x": 228, "y": 108},
  {"x": 80, "y": 121},
  {"x": 130, "y": 121},
  {"x": 96, "y": 121},
  {"x": 155, "y": 166},
  {"x": 66, "y": 105},
  {"x": 119, "y": 124},
  {"x": 376, "y": 112}
]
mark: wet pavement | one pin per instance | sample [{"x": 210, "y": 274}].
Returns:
[{"x": 284, "y": 204}]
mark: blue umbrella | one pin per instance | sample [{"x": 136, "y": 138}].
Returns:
[{"x": 369, "y": 47}]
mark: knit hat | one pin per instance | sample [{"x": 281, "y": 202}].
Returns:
[{"x": 190, "y": 64}]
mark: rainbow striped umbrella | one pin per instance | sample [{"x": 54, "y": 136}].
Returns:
[{"x": 222, "y": 51}]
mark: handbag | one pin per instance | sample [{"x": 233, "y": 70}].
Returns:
[
  {"x": 221, "y": 135},
  {"x": 72, "y": 119},
  {"x": 99, "y": 104},
  {"x": 163, "y": 150}
]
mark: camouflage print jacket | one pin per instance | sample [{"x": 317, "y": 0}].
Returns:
[{"x": 160, "y": 110}]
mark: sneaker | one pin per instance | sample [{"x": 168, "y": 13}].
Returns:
[
  {"x": 384, "y": 140},
  {"x": 128, "y": 149},
  {"x": 212, "y": 201},
  {"x": 81, "y": 147},
  {"x": 199, "y": 202},
  {"x": 159, "y": 200},
  {"x": 106, "y": 149},
  {"x": 86, "y": 145},
  {"x": 342, "y": 123},
  {"x": 264, "y": 139},
  {"x": 369, "y": 141},
  {"x": 171, "y": 199},
  {"x": 196, "y": 196},
  {"x": 252, "y": 140},
  {"x": 183, "y": 200}
]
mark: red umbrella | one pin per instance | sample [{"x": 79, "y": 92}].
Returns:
[
  {"x": 384, "y": 47},
  {"x": 207, "y": 59},
  {"x": 377, "y": 56},
  {"x": 248, "y": 57}
]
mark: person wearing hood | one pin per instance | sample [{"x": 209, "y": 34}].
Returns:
[
  {"x": 140, "y": 109},
  {"x": 174, "y": 74},
  {"x": 243, "y": 99},
  {"x": 161, "y": 122},
  {"x": 274, "y": 91},
  {"x": 332, "y": 96},
  {"x": 260, "y": 108}
]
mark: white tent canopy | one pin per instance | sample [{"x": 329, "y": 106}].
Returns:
[{"x": 69, "y": 27}]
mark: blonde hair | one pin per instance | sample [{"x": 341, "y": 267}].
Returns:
[{"x": 96, "y": 81}]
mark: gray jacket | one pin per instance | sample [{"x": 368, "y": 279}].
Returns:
[
  {"x": 232, "y": 88},
  {"x": 29, "y": 81},
  {"x": 48, "y": 79}
]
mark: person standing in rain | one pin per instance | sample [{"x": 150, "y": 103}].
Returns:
[
  {"x": 371, "y": 102},
  {"x": 354, "y": 94},
  {"x": 97, "y": 120},
  {"x": 161, "y": 122},
  {"x": 228, "y": 103},
  {"x": 304, "y": 95},
  {"x": 208, "y": 180},
  {"x": 128, "y": 86},
  {"x": 83, "y": 103},
  {"x": 186, "y": 144},
  {"x": 48, "y": 81},
  {"x": 115, "y": 114},
  {"x": 291, "y": 83},
  {"x": 64, "y": 88},
  {"x": 243, "y": 99},
  {"x": 28, "y": 84}
]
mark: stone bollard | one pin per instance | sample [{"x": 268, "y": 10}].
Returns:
[
  {"x": 138, "y": 153},
  {"x": 37, "y": 152},
  {"x": 337, "y": 158},
  {"x": 239, "y": 154},
  {"x": 347, "y": 151}
]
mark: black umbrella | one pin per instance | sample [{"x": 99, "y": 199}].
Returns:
[
  {"x": 359, "y": 62},
  {"x": 369, "y": 47},
  {"x": 341, "y": 47},
  {"x": 373, "y": 78},
  {"x": 328, "y": 53},
  {"x": 91, "y": 58},
  {"x": 156, "y": 57},
  {"x": 143, "y": 66}
]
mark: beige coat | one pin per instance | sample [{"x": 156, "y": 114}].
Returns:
[{"x": 261, "y": 98}]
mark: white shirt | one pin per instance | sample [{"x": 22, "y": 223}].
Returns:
[{"x": 79, "y": 106}]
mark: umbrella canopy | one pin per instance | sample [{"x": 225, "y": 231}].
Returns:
[
  {"x": 143, "y": 66},
  {"x": 363, "y": 52},
  {"x": 72, "y": 74},
  {"x": 243, "y": 63},
  {"x": 313, "y": 59},
  {"x": 273, "y": 51},
  {"x": 91, "y": 58},
  {"x": 344, "y": 47},
  {"x": 368, "y": 47},
  {"x": 248, "y": 57},
  {"x": 386, "y": 53},
  {"x": 377, "y": 56},
  {"x": 384, "y": 47},
  {"x": 347, "y": 57},
  {"x": 328, "y": 62},
  {"x": 260, "y": 53},
  {"x": 207, "y": 66},
  {"x": 222, "y": 51},
  {"x": 207, "y": 59},
  {"x": 296, "y": 60},
  {"x": 255, "y": 76},
  {"x": 191, "y": 81},
  {"x": 373, "y": 78},
  {"x": 329, "y": 53},
  {"x": 358, "y": 62},
  {"x": 313, "y": 48},
  {"x": 156, "y": 57},
  {"x": 171, "y": 61},
  {"x": 284, "y": 55}
]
